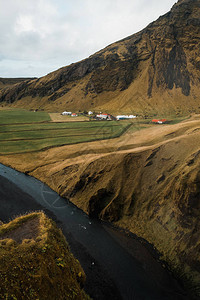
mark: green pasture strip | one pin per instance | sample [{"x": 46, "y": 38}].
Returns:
[
  {"x": 55, "y": 126},
  {"x": 135, "y": 128},
  {"x": 178, "y": 120},
  {"x": 31, "y": 143},
  {"x": 23, "y": 116},
  {"x": 39, "y": 133},
  {"x": 42, "y": 134}
]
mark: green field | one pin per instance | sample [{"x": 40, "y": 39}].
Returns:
[
  {"x": 22, "y": 116},
  {"x": 26, "y": 131}
]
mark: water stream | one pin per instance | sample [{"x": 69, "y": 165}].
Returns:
[{"x": 132, "y": 277}]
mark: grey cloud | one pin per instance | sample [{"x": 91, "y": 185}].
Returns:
[{"x": 48, "y": 34}]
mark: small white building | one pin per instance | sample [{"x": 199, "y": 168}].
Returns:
[
  {"x": 90, "y": 113},
  {"x": 132, "y": 117},
  {"x": 124, "y": 117},
  {"x": 66, "y": 113},
  {"x": 103, "y": 117}
]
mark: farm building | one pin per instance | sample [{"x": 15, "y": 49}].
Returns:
[
  {"x": 90, "y": 113},
  {"x": 68, "y": 113},
  {"x": 74, "y": 115},
  {"x": 156, "y": 121},
  {"x": 124, "y": 117},
  {"x": 103, "y": 117}
]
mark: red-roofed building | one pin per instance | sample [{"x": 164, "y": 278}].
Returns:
[
  {"x": 161, "y": 121},
  {"x": 103, "y": 117}
]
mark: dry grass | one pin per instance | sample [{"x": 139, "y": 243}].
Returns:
[
  {"x": 36, "y": 262},
  {"x": 57, "y": 117}
]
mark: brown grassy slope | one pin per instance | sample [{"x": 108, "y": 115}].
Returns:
[
  {"x": 146, "y": 181},
  {"x": 155, "y": 70},
  {"x": 9, "y": 82},
  {"x": 36, "y": 262}
]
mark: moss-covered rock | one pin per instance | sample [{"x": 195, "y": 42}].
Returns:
[{"x": 36, "y": 262}]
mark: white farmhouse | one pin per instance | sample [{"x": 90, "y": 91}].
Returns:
[
  {"x": 103, "y": 116},
  {"x": 131, "y": 117},
  {"x": 68, "y": 113},
  {"x": 124, "y": 117}
]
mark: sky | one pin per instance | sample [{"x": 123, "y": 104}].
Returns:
[{"x": 40, "y": 36}]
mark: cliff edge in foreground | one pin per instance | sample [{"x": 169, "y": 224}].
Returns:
[{"x": 36, "y": 262}]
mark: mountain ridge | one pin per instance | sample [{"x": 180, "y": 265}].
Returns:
[{"x": 160, "y": 61}]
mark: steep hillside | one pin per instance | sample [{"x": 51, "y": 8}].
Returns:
[
  {"x": 155, "y": 70},
  {"x": 8, "y": 82},
  {"x": 146, "y": 181},
  {"x": 36, "y": 262}
]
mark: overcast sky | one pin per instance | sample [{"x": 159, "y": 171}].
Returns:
[{"x": 40, "y": 36}]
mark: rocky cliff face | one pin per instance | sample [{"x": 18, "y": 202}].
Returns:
[{"x": 157, "y": 69}]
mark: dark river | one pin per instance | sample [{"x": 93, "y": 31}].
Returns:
[{"x": 117, "y": 265}]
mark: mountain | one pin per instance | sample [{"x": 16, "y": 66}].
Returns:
[{"x": 154, "y": 70}]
